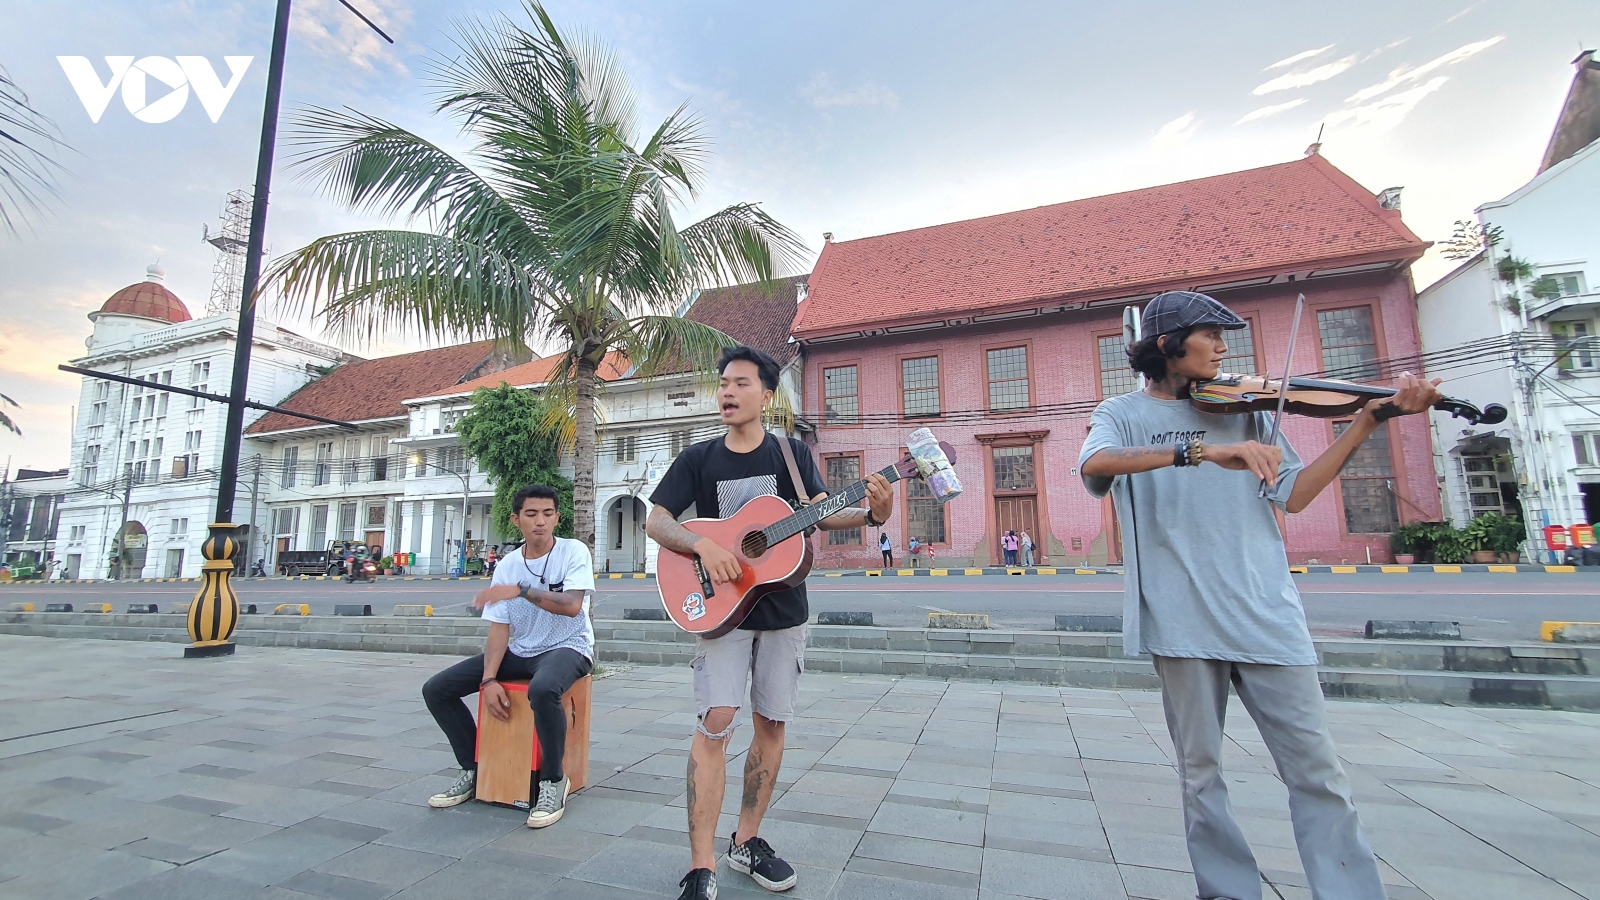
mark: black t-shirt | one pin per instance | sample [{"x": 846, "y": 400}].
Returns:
[{"x": 717, "y": 481}]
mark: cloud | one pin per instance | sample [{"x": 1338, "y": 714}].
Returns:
[
  {"x": 1308, "y": 77},
  {"x": 1385, "y": 114},
  {"x": 331, "y": 30},
  {"x": 1306, "y": 54},
  {"x": 822, "y": 93},
  {"x": 1464, "y": 12},
  {"x": 1403, "y": 75},
  {"x": 1266, "y": 111},
  {"x": 1175, "y": 132}
]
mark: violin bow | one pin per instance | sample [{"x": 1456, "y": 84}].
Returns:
[{"x": 1283, "y": 386}]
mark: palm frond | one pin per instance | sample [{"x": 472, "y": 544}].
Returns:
[
  {"x": 371, "y": 165},
  {"x": 659, "y": 345},
  {"x": 27, "y": 173},
  {"x": 5, "y": 420},
  {"x": 740, "y": 244},
  {"x": 362, "y": 283}
]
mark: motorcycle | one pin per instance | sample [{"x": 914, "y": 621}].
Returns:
[{"x": 362, "y": 570}]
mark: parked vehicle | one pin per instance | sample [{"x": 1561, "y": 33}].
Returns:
[{"x": 329, "y": 562}]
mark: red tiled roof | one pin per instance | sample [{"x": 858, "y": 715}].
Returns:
[
  {"x": 1187, "y": 234},
  {"x": 149, "y": 300},
  {"x": 753, "y": 315},
  {"x": 373, "y": 388},
  {"x": 614, "y": 366}
]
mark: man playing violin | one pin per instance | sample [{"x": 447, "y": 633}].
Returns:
[{"x": 1209, "y": 594}]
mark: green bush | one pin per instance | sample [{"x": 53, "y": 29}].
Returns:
[
  {"x": 1404, "y": 539},
  {"x": 1494, "y": 531},
  {"x": 386, "y": 563}
]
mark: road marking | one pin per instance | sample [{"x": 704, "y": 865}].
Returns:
[
  {"x": 1342, "y": 570},
  {"x": 934, "y": 609}
]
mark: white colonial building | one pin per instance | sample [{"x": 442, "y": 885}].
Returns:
[
  {"x": 1535, "y": 333},
  {"x": 143, "y": 464}
]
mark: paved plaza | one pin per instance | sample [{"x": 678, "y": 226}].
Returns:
[{"x": 127, "y": 772}]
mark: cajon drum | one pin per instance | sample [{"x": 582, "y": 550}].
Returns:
[{"x": 508, "y": 752}]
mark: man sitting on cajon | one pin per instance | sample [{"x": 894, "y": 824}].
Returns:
[{"x": 538, "y": 607}]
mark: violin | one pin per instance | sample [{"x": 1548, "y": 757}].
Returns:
[{"x": 1321, "y": 398}]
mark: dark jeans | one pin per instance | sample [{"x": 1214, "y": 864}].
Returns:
[
  {"x": 1011, "y": 557},
  {"x": 549, "y": 675},
  {"x": 888, "y": 558}
]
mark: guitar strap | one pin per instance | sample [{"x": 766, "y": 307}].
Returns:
[{"x": 794, "y": 473}]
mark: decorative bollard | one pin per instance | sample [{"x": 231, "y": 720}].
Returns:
[
  {"x": 58, "y": 607},
  {"x": 412, "y": 609},
  {"x": 21, "y": 607},
  {"x": 214, "y": 612},
  {"x": 141, "y": 608},
  {"x": 352, "y": 609},
  {"x": 968, "y": 621},
  {"x": 292, "y": 609},
  {"x": 97, "y": 608}
]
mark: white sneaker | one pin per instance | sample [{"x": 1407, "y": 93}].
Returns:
[
  {"x": 552, "y": 803},
  {"x": 463, "y": 790}
]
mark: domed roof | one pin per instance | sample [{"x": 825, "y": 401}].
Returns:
[{"x": 147, "y": 299}]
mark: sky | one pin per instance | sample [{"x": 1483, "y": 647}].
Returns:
[{"x": 856, "y": 118}]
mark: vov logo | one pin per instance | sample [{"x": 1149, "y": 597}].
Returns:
[{"x": 134, "y": 79}]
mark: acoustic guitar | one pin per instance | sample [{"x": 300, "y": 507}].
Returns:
[{"x": 762, "y": 537}]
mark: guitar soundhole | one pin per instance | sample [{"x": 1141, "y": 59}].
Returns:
[{"x": 754, "y": 544}]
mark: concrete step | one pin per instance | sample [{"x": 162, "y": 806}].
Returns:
[{"x": 1433, "y": 672}]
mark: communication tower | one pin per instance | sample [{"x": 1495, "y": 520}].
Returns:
[{"x": 227, "y": 273}]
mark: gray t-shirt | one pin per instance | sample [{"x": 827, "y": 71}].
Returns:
[{"x": 1199, "y": 542}]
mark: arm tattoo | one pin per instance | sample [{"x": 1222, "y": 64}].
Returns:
[{"x": 666, "y": 531}]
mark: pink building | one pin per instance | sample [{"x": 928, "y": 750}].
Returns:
[{"x": 1003, "y": 333}]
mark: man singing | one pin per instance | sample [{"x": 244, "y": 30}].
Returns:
[
  {"x": 766, "y": 653},
  {"x": 538, "y": 608},
  {"x": 1210, "y": 598}
]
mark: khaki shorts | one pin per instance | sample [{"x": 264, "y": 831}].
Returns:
[{"x": 767, "y": 664}]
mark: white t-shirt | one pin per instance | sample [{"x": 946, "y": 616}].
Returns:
[{"x": 534, "y": 630}]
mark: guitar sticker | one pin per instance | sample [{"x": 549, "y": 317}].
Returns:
[{"x": 694, "y": 606}]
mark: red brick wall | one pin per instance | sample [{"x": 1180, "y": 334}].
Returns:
[{"x": 1063, "y": 358}]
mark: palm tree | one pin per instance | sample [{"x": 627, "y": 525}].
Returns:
[
  {"x": 5, "y": 420},
  {"x": 25, "y": 170},
  {"x": 561, "y": 231}
]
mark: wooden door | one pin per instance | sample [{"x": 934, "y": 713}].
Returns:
[{"x": 1017, "y": 513}]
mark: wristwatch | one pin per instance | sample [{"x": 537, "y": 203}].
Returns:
[{"x": 872, "y": 523}]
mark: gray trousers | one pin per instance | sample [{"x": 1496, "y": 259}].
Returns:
[{"x": 1286, "y": 704}]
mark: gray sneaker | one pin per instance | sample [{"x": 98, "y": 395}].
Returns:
[
  {"x": 458, "y": 793},
  {"x": 552, "y": 803}
]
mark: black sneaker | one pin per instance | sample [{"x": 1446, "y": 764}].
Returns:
[
  {"x": 756, "y": 859},
  {"x": 699, "y": 884}
]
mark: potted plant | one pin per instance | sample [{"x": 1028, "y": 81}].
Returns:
[
  {"x": 1476, "y": 537},
  {"x": 1449, "y": 545},
  {"x": 1403, "y": 544},
  {"x": 1505, "y": 540},
  {"x": 387, "y": 565}
]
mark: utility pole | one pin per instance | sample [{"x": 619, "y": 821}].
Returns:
[
  {"x": 121, "y": 558},
  {"x": 255, "y": 498},
  {"x": 215, "y": 611}
]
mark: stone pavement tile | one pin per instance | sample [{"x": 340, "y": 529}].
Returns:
[
  {"x": 185, "y": 884},
  {"x": 942, "y": 794},
  {"x": 460, "y": 832},
  {"x": 1004, "y": 804},
  {"x": 1459, "y": 883},
  {"x": 88, "y": 874},
  {"x": 1140, "y": 751},
  {"x": 920, "y": 852},
  {"x": 32, "y": 823},
  {"x": 923, "y": 874},
  {"x": 1053, "y": 763},
  {"x": 559, "y": 842},
  {"x": 840, "y": 784},
  {"x": 481, "y": 881},
  {"x": 607, "y": 815},
  {"x": 302, "y": 772},
  {"x": 1155, "y": 851},
  {"x": 826, "y": 805},
  {"x": 1144, "y": 793},
  {"x": 1031, "y": 875},
  {"x": 933, "y": 824},
  {"x": 635, "y": 865},
  {"x": 533, "y": 863},
  {"x": 802, "y": 843},
  {"x": 1138, "y": 817},
  {"x": 200, "y": 805},
  {"x": 1158, "y": 884},
  {"x": 970, "y": 776},
  {"x": 276, "y": 856},
  {"x": 288, "y": 806},
  {"x": 384, "y": 814},
  {"x": 1045, "y": 783},
  {"x": 336, "y": 887}
]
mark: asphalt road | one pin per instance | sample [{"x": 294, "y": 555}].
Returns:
[{"x": 1488, "y": 606}]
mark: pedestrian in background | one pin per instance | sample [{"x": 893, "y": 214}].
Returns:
[
  {"x": 912, "y": 548},
  {"x": 887, "y": 549},
  {"x": 1026, "y": 543},
  {"x": 1008, "y": 547}
]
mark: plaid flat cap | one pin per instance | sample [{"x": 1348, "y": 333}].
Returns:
[{"x": 1183, "y": 309}]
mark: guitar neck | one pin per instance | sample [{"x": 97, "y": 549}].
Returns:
[{"x": 833, "y": 503}]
